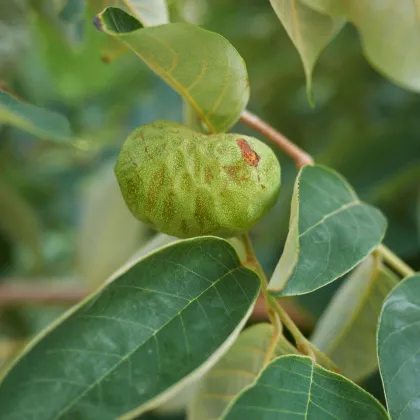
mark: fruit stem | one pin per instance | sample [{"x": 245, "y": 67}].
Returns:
[
  {"x": 300, "y": 157},
  {"x": 278, "y": 316},
  {"x": 277, "y": 333},
  {"x": 302, "y": 343}
]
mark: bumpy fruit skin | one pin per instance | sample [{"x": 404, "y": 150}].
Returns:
[{"x": 186, "y": 184}]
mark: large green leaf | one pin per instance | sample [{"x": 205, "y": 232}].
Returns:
[
  {"x": 162, "y": 322},
  {"x": 398, "y": 349},
  {"x": 237, "y": 369},
  {"x": 309, "y": 30},
  {"x": 377, "y": 22},
  {"x": 330, "y": 232},
  {"x": 292, "y": 387},
  {"x": 38, "y": 121},
  {"x": 346, "y": 331},
  {"x": 202, "y": 66},
  {"x": 108, "y": 234}
]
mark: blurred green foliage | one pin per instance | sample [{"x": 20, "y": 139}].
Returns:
[{"x": 362, "y": 125}]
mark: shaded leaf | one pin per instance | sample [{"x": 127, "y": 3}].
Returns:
[
  {"x": 309, "y": 30},
  {"x": 237, "y": 369},
  {"x": 330, "y": 232},
  {"x": 20, "y": 223},
  {"x": 38, "y": 121},
  {"x": 108, "y": 234},
  {"x": 346, "y": 331},
  {"x": 161, "y": 323},
  {"x": 202, "y": 66},
  {"x": 291, "y": 387},
  {"x": 398, "y": 349},
  {"x": 377, "y": 22}
]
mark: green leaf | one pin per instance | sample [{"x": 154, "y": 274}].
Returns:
[
  {"x": 346, "y": 331},
  {"x": 377, "y": 22},
  {"x": 202, "y": 66},
  {"x": 398, "y": 349},
  {"x": 38, "y": 121},
  {"x": 20, "y": 223},
  {"x": 309, "y": 30},
  {"x": 106, "y": 222},
  {"x": 149, "y": 12},
  {"x": 237, "y": 369},
  {"x": 159, "y": 324},
  {"x": 292, "y": 387},
  {"x": 330, "y": 232}
]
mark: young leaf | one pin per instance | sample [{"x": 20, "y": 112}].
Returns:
[
  {"x": 161, "y": 323},
  {"x": 237, "y": 369},
  {"x": 108, "y": 234},
  {"x": 40, "y": 122},
  {"x": 202, "y": 66},
  {"x": 398, "y": 349},
  {"x": 330, "y": 232},
  {"x": 309, "y": 30},
  {"x": 346, "y": 331},
  {"x": 378, "y": 21},
  {"x": 292, "y": 387},
  {"x": 149, "y": 12}
]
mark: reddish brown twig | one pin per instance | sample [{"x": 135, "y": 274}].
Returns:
[
  {"x": 39, "y": 293},
  {"x": 300, "y": 157}
]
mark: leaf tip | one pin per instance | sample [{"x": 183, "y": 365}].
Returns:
[
  {"x": 310, "y": 96},
  {"x": 309, "y": 90},
  {"x": 116, "y": 21},
  {"x": 98, "y": 22}
]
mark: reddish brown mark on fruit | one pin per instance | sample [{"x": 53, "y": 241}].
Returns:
[
  {"x": 145, "y": 146},
  {"x": 132, "y": 162},
  {"x": 236, "y": 173},
  {"x": 208, "y": 175},
  {"x": 248, "y": 154}
]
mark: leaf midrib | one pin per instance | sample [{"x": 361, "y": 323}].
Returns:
[
  {"x": 171, "y": 80},
  {"x": 333, "y": 213},
  {"x": 123, "y": 359}
]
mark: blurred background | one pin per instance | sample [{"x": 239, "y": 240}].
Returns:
[{"x": 62, "y": 220}]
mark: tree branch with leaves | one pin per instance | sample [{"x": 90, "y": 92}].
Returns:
[{"x": 174, "y": 316}]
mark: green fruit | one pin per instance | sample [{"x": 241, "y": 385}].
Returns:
[{"x": 185, "y": 183}]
